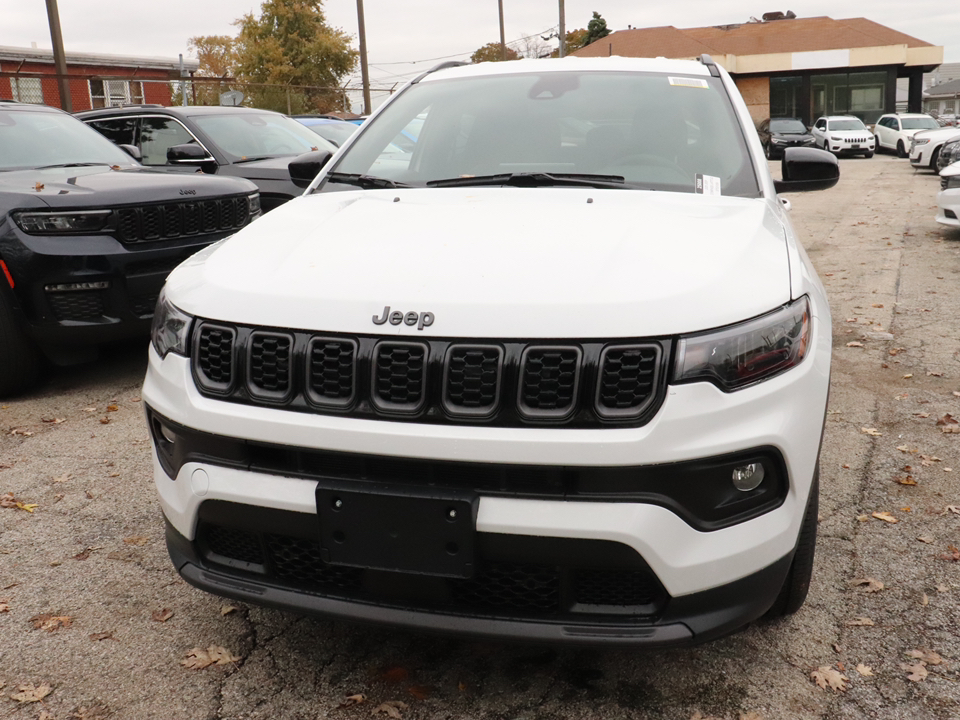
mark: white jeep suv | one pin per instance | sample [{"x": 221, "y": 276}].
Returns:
[
  {"x": 843, "y": 135},
  {"x": 559, "y": 373}
]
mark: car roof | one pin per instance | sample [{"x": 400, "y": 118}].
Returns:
[
  {"x": 570, "y": 63},
  {"x": 27, "y": 107},
  {"x": 186, "y": 111}
]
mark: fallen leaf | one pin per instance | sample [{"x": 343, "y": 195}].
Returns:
[
  {"x": 916, "y": 672},
  {"x": 31, "y": 693},
  {"x": 88, "y": 495},
  {"x": 161, "y": 615},
  {"x": 18, "y": 431},
  {"x": 102, "y": 636},
  {"x": 926, "y": 539},
  {"x": 864, "y": 670},
  {"x": 9, "y": 501},
  {"x": 906, "y": 480},
  {"x": 908, "y": 376},
  {"x": 895, "y": 351},
  {"x": 50, "y": 622},
  {"x": 138, "y": 540},
  {"x": 954, "y": 429},
  {"x": 952, "y": 556},
  {"x": 199, "y": 658},
  {"x": 104, "y": 420},
  {"x": 838, "y": 649},
  {"x": 83, "y": 554},
  {"x": 868, "y": 584},
  {"x": 52, "y": 421},
  {"x": 928, "y": 460},
  {"x": 885, "y": 516},
  {"x": 38, "y": 187},
  {"x": 871, "y": 431},
  {"x": 955, "y": 509},
  {"x": 877, "y": 305},
  {"x": 350, "y": 700},
  {"x": 934, "y": 373},
  {"x": 826, "y": 676},
  {"x": 863, "y": 518},
  {"x": 419, "y": 692},
  {"x": 921, "y": 415},
  {"x": 227, "y": 609},
  {"x": 907, "y": 449},
  {"x": 947, "y": 419},
  {"x": 112, "y": 408},
  {"x": 390, "y": 708},
  {"x": 860, "y": 621},
  {"x": 854, "y": 344},
  {"x": 4, "y": 605}
]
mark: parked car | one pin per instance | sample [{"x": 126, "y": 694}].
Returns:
[
  {"x": 893, "y": 131},
  {"x": 926, "y": 146},
  {"x": 948, "y": 199},
  {"x": 558, "y": 385},
  {"x": 88, "y": 235},
  {"x": 843, "y": 135},
  {"x": 777, "y": 134},
  {"x": 949, "y": 153},
  {"x": 332, "y": 130},
  {"x": 240, "y": 142}
]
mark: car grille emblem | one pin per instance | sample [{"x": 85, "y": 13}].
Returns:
[{"x": 421, "y": 320}]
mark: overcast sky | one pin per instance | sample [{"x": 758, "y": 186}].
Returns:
[{"x": 400, "y": 32}]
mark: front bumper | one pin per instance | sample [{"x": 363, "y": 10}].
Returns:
[
  {"x": 846, "y": 147},
  {"x": 948, "y": 208},
  {"x": 920, "y": 155}
]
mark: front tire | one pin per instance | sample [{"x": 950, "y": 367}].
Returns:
[
  {"x": 901, "y": 150},
  {"x": 797, "y": 585},
  {"x": 868, "y": 155},
  {"x": 934, "y": 158},
  {"x": 19, "y": 357}
]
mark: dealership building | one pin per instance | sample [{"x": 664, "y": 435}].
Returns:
[{"x": 787, "y": 66}]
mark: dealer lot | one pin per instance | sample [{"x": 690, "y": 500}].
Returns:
[{"x": 91, "y": 553}]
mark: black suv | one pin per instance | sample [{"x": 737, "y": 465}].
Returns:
[
  {"x": 777, "y": 134},
  {"x": 254, "y": 144},
  {"x": 88, "y": 236}
]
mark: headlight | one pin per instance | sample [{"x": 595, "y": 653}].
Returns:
[
  {"x": 809, "y": 141},
  {"x": 952, "y": 183},
  {"x": 60, "y": 223},
  {"x": 171, "y": 328},
  {"x": 253, "y": 202},
  {"x": 921, "y": 141},
  {"x": 777, "y": 141},
  {"x": 747, "y": 353},
  {"x": 835, "y": 139}
]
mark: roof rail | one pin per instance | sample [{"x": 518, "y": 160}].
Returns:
[
  {"x": 441, "y": 66},
  {"x": 710, "y": 64}
]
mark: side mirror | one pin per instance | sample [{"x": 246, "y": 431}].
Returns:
[
  {"x": 132, "y": 150},
  {"x": 191, "y": 154},
  {"x": 806, "y": 169},
  {"x": 304, "y": 168}
]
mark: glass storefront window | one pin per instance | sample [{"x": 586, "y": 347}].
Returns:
[
  {"x": 856, "y": 93},
  {"x": 785, "y": 97}
]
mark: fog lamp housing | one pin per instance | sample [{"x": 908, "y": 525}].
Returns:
[{"x": 748, "y": 477}]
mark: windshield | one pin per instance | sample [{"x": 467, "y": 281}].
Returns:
[
  {"x": 30, "y": 139},
  {"x": 787, "y": 126},
  {"x": 245, "y": 136},
  {"x": 846, "y": 124},
  {"x": 924, "y": 123},
  {"x": 654, "y": 131},
  {"x": 333, "y": 131}
]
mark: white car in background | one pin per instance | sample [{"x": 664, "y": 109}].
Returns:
[
  {"x": 926, "y": 145},
  {"x": 895, "y": 130},
  {"x": 843, "y": 135},
  {"x": 948, "y": 199}
]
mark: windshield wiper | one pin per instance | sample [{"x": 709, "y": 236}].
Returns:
[
  {"x": 535, "y": 179},
  {"x": 364, "y": 181},
  {"x": 81, "y": 164},
  {"x": 253, "y": 159}
]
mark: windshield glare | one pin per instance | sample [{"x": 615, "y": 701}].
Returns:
[
  {"x": 787, "y": 126},
  {"x": 242, "y": 136},
  {"x": 655, "y": 131},
  {"x": 30, "y": 139},
  {"x": 924, "y": 123},
  {"x": 846, "y": 124}
]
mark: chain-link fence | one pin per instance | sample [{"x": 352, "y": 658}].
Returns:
[{"x": 89, "y": 92}]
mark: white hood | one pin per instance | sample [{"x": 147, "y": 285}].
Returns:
[{"x": 496, "y": 262}]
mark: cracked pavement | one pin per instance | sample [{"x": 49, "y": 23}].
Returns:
[{"x": 93, "y": 549}]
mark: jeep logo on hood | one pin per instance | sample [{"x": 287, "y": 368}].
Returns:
[{"x": 421, "y": 320}]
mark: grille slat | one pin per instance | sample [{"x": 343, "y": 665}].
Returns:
[
  {"x": 214, "y": 362},
  {"x": 399, "y": 375},
  {"x": 269, "y": 364},
  {"x": 549, "y": 378},
  {"x": 472, "y": 384},
  {"x": 331, "y": 373},
  {"x": 628, "y": 377}
]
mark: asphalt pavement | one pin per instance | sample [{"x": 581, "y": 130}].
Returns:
[{"x": 95, "y": 623}]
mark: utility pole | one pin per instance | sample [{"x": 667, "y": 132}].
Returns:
[
  {"x": 364, "y": 73},
  {"x": 503, "y": 44},
  {"x": 563, "y": 31},
  {"x": 59, "y": 59}
]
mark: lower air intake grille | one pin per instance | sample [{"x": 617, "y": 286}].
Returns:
[
  {"x": 399, "y": 376},
  {"x": 269, "y": 364},
  {"x": 79, "y": 305},
  {"x": 214, "y": 357},
  {"x": 507, "y": 585},
  {"x": 549, "y": 377},
  {"x": 615, "y": 587},
  {"x": 472, "y": 385}
]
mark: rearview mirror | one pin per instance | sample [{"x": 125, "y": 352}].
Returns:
[
  {"x": 304, "y": 168},
  {"x": 804, "y": 169}
]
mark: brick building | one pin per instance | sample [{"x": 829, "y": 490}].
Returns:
[
  {"x": 95, "y": 79},
  {"x": 787, "y": 66}
]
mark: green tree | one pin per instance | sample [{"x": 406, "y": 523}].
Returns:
[
  {"x": 596, "y": 28},
  {"x": 576, "y": 39},
  {"x": 290, "y": 44},
  {"x": 491, "y": 53}
]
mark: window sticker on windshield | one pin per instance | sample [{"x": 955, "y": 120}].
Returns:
[
  {"x": 707, "y": 185},
  {"x": 688, "y": 82}
]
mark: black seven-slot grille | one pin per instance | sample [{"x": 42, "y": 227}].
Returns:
[
  {"x": 498, "y": 382},
  {"x": 147, "y": 223}
]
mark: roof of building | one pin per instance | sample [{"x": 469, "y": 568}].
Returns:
[
  {"x": 41, "y": 55},
  {"x": 951, "y": 88},
  {"x": 754, "y": 38}
]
